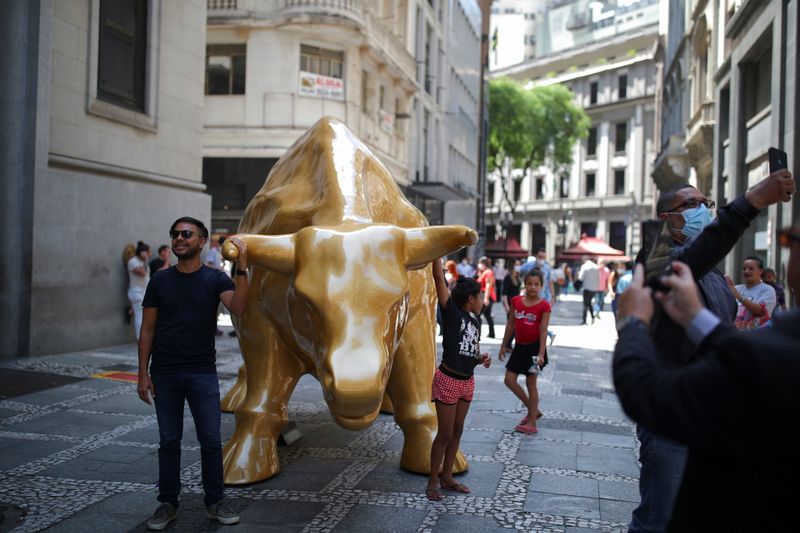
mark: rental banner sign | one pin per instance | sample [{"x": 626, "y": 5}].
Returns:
[{"x": 320, "y": 86}]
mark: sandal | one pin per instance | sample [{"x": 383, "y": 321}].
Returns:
[
  {"x": 457, "y": 487},
  {"x": 522, "y": 428},
  {"x": 525, "y": 419},
  {"x": 433, "y": 495}
]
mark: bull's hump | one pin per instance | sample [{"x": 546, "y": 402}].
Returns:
[{"x": 326, "y": 177}]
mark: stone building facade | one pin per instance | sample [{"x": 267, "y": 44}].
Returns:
[
  {"x": 386, "y": 68},
  {"x": 608, "y": 191},
  {"x": 102, "y": 146}
]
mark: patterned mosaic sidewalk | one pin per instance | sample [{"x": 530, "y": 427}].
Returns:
[{"x": 83, "y": 456}]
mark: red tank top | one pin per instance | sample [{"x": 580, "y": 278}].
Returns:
[{"x": 527, "y": 319}]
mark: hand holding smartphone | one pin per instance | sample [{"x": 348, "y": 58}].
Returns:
[
  {"x": 655, "y": 283},
  {"x": 777, "y": 160}
]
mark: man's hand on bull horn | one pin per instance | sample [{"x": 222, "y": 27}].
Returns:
[{"x": 236, "y": 253}]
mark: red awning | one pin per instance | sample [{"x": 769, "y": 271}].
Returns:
[
  {"x": 506, "y": 248},
  {"x": 594, "y": 247}
]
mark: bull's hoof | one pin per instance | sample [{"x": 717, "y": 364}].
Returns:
[
  {"x": 416, "y": 455},
  {"x": 249, "y": 457},
  {"x": 422, "y": 465},
  {"x": 461, "y": 464}
]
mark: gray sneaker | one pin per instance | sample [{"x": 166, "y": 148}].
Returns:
[
  {"x": 165, "y": 514},
  {"x": 222, "y": 513}
]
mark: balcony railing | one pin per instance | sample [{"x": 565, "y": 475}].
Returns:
[
  {"x": 394, "y": 49},
  {"x": 221, "y": 4},
  {"x": 703, "y": 115},
  {"x": 324, "y": 5}
]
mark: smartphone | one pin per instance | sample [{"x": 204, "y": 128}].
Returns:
[
  {"x": 655, "y": 283},
  {"x": 777, "y": 160}
]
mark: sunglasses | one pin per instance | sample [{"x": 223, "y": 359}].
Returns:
[
  {"x": 694, "y": 203},
  {"x": 185, "y": 233},
  {"x": 786, "y": 236}
]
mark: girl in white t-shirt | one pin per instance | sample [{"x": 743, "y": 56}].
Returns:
[{"x": 138, "y": 277}]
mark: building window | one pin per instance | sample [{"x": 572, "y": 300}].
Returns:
[
  {"x": 589, "y": 229},
  {"x": 590, "y": 184},
  {"x": 490, "y": 185},
  {"x": 321, "y": 61},
  {"x": 517, "y": 189},
  {"x": 619, "y": 181},
  {"x": 622, "y": 91},
  {"x": 564, "y": 187},
  {"x": 758, "y": 85},
  {"x": 121, "y": 65},
  {"x": 428, "y": 69},
  {"x": 364, "y": 87},
  {"x": 540, "y": 188},
  {"x": 591, "y": 142},
  {"x": 225, "y": 68},
  {"x": 426, "y": 118},
  {"x": 593, "y": 88},
  {"x": 616, "y": 235},
  {"x": 382, "y": 97},
  {"x": 621, "y": 137}
]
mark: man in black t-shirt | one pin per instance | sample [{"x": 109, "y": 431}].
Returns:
[
  {"x": 161, "y": 261},
  {"x": 178, "y": 325}
]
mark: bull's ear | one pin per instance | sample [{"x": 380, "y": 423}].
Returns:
[
  {"x": 271, "y": 252},
  {"x": 423, "y": 245}
]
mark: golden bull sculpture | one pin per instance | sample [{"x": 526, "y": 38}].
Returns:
[{"x": 338, "y": 290}]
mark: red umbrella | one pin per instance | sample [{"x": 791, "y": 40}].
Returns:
[
  {"x": 506, "y": 248},
  {"x": 594, "y": 247}
]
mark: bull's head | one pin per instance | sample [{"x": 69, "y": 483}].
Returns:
[{"x": 353, "y": 279}]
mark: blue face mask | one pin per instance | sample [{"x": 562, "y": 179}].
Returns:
[{"x": 695, "y": 220}]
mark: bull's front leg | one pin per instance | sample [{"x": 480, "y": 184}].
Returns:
[
  {"x": 272, "y": 372},
  {"x": 409, "y": 388},
  {"x": 237, "y": 393}
]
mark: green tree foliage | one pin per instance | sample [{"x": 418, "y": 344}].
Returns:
[{"x": 529, "y": 128}]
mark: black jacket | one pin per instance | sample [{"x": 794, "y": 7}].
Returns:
[
  {"x": 702, "y": 254},
  {"x": 737, "y": 409}
]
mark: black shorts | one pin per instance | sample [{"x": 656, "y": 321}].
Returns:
[{"x": 522, "y": 357}]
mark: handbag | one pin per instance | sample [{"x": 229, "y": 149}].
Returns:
[{"x": 744, "y": 322}]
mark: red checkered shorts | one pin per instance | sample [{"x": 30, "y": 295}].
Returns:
[{"x": 449, "y": 390}]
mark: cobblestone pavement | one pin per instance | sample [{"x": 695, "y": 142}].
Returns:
[{"x": 80, "y": 453}]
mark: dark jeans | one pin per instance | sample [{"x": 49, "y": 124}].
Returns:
[
  {"x": 588, "y": 297},
  {"x": 486, "y": 312},
  {"x": 201, "y": 391},
  {"x": 663, "y": 463}
]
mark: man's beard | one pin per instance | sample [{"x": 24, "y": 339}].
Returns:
[{"x": 188, "y": 254}]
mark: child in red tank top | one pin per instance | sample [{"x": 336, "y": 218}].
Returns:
[{"x": 528, "y": 319}]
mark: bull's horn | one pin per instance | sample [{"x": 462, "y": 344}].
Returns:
[
  {"x": 423, "y": 245},
  {"x": 272, "y": 252}
]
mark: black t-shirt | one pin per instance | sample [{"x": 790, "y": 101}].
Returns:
[
  {"x": 510, "y": 289},
  {"x": 461, "y": 332},
  {"x": 155, "y": 264},
  {"x": 187, "y": 315}
]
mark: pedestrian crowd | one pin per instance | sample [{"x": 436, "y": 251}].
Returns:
[{"x": 705, "y": 366}]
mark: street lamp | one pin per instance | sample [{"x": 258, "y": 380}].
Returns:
[{"x": 562, "y": 227}]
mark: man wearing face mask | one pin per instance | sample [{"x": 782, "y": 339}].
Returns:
[{"x": 700, "y": 241}]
